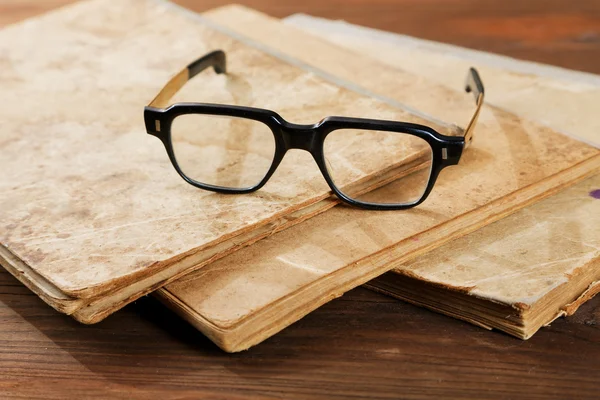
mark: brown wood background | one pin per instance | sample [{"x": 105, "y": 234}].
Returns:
[
  {"x": 559, "y": 32},
  {"x": 361, "y": 345}
]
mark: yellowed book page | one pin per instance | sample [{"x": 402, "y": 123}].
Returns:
[
  {"x": 90, "y": 203},
  {"x": 243, "y": 299}
]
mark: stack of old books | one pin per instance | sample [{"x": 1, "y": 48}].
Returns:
[{"x": 93, "y": 215}]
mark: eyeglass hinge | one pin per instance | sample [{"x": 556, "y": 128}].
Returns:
[{"x": 444, "y": 153}]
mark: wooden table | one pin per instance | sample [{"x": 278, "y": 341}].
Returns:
[{"x": 361, "y": 345}]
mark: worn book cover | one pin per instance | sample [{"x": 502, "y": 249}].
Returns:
[
  {"x": 93, "y": 214},
  {"x": 242, "y": 299}
]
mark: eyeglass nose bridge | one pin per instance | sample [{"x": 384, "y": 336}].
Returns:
[{"x": 302, "y": 137}]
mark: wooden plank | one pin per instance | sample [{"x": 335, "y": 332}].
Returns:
[
  {"x": 245, "y": 298},
  {"x": 145, "y": 351},
  {"x": 90, "y": 204},
  {"x": 538, "y": 30}
]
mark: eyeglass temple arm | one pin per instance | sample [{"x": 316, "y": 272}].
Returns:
[
  {"x": 215, "y": 59},
  {"x": 475, "y": 86}
]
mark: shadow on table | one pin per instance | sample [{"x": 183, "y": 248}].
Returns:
[{"x": 362, "y": 340}]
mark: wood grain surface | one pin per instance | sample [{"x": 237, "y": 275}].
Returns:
[
  {"x": 356, "y": 346},
  {"x": 559, "y": 32}
]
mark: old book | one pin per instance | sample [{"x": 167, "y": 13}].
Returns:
[
  {"x": 244, "y": 298},
  {"x": 523, "y": 88},
  {"x": 517, "y": 274},
  {"x": 523, "y": 272},
  {"x": 93, "y": 214}
]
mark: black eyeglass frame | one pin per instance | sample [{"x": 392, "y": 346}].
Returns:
[{"x": 159, "y": 116}]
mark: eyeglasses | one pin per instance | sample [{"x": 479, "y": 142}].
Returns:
[{"x": 373, "y": 164}]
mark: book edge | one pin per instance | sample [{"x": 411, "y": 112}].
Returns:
[{"x": 375, "y": 264}]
